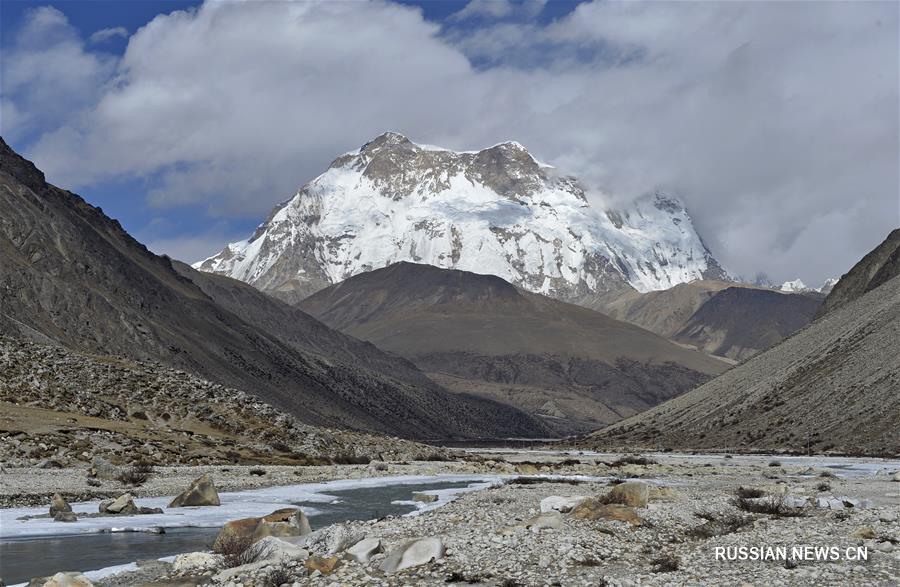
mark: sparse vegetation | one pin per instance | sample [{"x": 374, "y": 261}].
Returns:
[
  {"x": 569, "y": 462},
  {"x": 434, "y": 457},
  {"x": 239, "y": 550},
  {"x": 718, "y": 524},
  {"x": 665, "y": 564},
  {"x": 257, "y": 472},
  {"x": 458, "y": 577},
  {"x": 137, "y": 474},
  {"x": 279, "y": 576},
  {"x": 823, "y": 487},
  {"x": 749, "y": 492},
  {"x": 772, "y": 506},
  {"x": 631, "y": 460},
  {"x": 774, "y": 463}
]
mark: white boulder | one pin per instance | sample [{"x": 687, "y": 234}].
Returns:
[
  {"x": 413, "y": 554},
  {"x": 363, "y": 550},
  {"x": 561, "y": 504}
]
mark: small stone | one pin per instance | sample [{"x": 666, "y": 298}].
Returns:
[{"x": 424, "y": 497}]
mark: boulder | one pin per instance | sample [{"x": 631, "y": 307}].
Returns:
[
  {"x": 280, "y": 523},
  {"x": 631, "y": 493},
  {"x": 65, "y": 517},
  {"x": 325, "y": 565},
  {"x": 277, "y": 549},
  {"x": 67, "y": 580},
  {"x": 548, "y": 520},
  {"x": 59, "y": 505},
  {"x": 363, "y": 550},
  {"x": 561, "y": 504},
  {"x": 202, "y": 491},
  {"x": 122, "y": 505},
  {"x": 594, "y": 509},
  {"x": 196, "y": 561},
  {"x": 143, "y": 510},
  {"x": 413, "y": 554},
  {"x": 103, "y": 469},
  {"x": 339, "y": 538},
  {"x": 424, "y": 497},
  {"x": 896, "y": 476}
]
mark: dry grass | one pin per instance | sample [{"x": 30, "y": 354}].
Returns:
[
  {"x": 539, "y": 480},
  {"x": 665, "y": 564},
  {"x": 632, "y": 460},
  {"x": 749, "y": 492},
  {"x": 718, "y": 524}
]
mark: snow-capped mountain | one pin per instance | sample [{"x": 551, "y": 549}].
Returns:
[
  {"x": 496, "y": 211},
  {"x": 797, "y": 286}
]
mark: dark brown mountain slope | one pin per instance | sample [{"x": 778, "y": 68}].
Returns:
[
  {"x": 71, "y": 275},
  {"x": 876, "y": 268},
  {"x": 835, "y": 384},
  {"x": 739, "y": 322},
  {"x": 722, "y": 318},
  {"x": 477, "y": 333}
]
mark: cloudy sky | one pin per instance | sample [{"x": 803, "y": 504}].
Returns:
[{"x": 776, "y": 122}]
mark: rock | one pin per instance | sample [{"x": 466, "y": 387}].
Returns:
[
  {"x": 363, "y": 550},
  {"x": 105, "y": 504},
  {"x": 561, "y": 504},
  {"x": 339, "y": 538},
  {"x": 280, "y": 523},
  {"x": 865, "y": 533},
  {"x": 552, "y": 520},
  {"x": 143, "y": 510},
  {"x": 631, "y": 493},
  {"x": 325, "y": 565},
  {"x": 68, "y": 580},
  {"x": 50, "y": 464},
  {"x": 896, "y": 476},
  {"x": 201, "y": 492},
  {"x": 527, "y": 469},
  {"x": 103, "y": 469},
  {"x": 830, "y": 503},
  {"x": 413, "y": 554},
  {"x": 122, "y": 505},
  {"x": 663, "y": 494},
  {"x": 277, "y": 549},
  {"x": 196, "y": 561},
  {"x": 424, "y": 497},
  {"x": 887, "y": 517},
  {"x": 594, "y": 509},
  {"x": 65, "y": 517},
  {"x": 59, "y": 505}
]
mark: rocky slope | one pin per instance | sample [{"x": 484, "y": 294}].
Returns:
[
  {"x": 574, "y": 367},
  {"x": 740, "y": 322},
  {"x": 71, "y": 275},
  {"x": 64, "y": 408},
  {"x": 831, "y": 386},
  {"x": 876, "y": 268},
  {"x": 722, "y": 318},
  {"x": 496, "y": 211}
]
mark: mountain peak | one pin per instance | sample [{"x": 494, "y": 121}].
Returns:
[{"x": 495, "y": 211}]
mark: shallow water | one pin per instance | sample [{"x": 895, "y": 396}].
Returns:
[{"x": 24, "y": 558}]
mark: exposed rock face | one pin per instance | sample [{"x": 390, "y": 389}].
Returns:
[
  {"x": 497, "y": 211},
  {"x": 202, "y": 491},
  {"x": 477, "y": 334},
  {"x": 64, "y": 264},
  {"x": 833, "y": 385},
  {"x": 878, "y": 267}
]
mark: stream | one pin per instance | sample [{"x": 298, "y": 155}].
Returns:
[{"x": 34, "y": 551}]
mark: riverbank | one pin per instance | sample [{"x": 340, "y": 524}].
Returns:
[{"x": 492, "y": 536}]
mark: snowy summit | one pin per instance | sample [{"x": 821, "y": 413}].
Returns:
[{"x": 496, "y": 211}]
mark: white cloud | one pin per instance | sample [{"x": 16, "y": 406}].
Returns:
[
  {"x": 777, "y": 122},
  {"x": 104, "y": 35}
]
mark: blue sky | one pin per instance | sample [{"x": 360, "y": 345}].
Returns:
[{"x": 775, "y": 122}]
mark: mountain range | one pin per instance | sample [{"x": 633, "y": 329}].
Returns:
[
  {"x": 71, "y": 276},
  {"x": 497, "y": 211}
]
